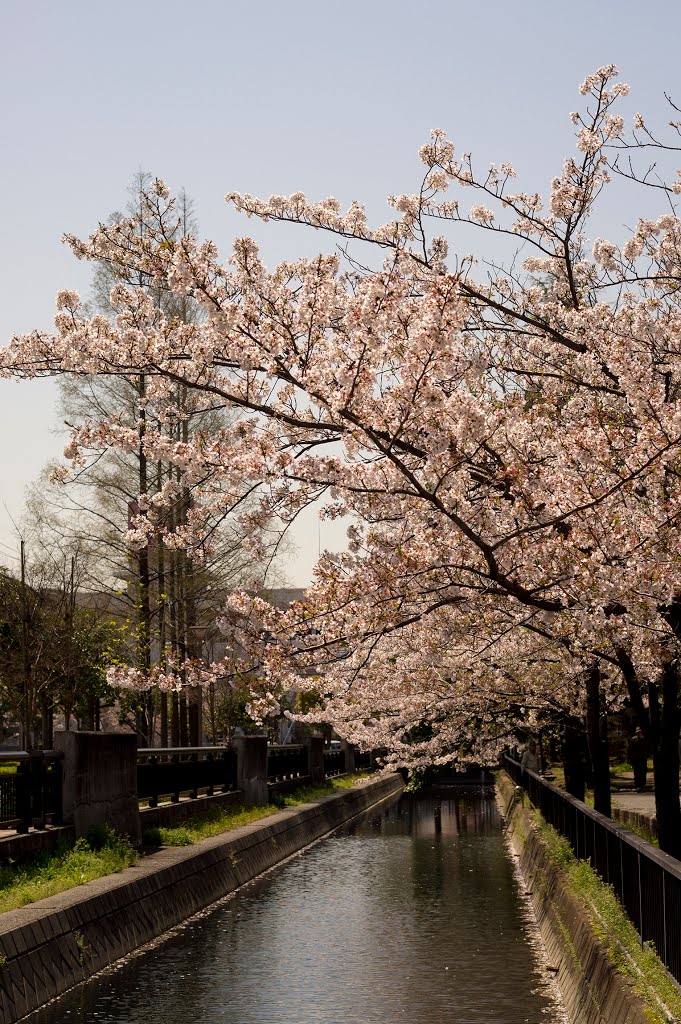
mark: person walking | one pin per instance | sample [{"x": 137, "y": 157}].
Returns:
[{"x": 530, "y": 761}]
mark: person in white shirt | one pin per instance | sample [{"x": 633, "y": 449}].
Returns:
[{"x": 530, "y": 761}]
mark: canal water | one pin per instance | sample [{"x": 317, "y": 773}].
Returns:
[{"x": 413, "y": 915}]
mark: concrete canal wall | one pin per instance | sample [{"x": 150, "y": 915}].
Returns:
[
  {"x": 48, "y": 947},
  {"x": 593, "y": 990}
]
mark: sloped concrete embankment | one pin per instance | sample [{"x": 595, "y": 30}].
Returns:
[
  {"x": 593, "y": 990},
  {"x": 50, "y": 946}
]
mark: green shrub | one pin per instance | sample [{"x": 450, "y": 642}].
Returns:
[{"x": 92, "y": 856}]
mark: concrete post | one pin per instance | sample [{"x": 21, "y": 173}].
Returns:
[
  {"x": 251, "y": 769},
  {"x": 100, "y": 781},
  {"x": 349, "y": 752},
  {"x": 315, "y": 759}
]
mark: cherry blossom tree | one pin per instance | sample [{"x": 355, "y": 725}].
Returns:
[{"x": 503, "y": 436}]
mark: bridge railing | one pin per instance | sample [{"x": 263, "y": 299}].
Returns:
[
  {"x": 173, "y": 771},
  {"x": 285, "y": 762},
  {"x": 32, "y": 793},
  {"x": 170, "y": 771},
  {"x": 334, "y": 762},
  {"x": 646, "y": 881}
]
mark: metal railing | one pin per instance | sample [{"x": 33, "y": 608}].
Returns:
[
  {"x": 171, "y": 771},
  {"x": 32, "y": 794},
  {"x": 174, "y": 771},
  {"x": 646, "y": 881},
  {"x": 287, "y": 762},
  {"x": 334, "y": 762}
]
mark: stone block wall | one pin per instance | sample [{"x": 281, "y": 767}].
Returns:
[{"x": 100, "y": 781}]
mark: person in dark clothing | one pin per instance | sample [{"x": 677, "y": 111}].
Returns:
[{"x": 637, "y": 752}]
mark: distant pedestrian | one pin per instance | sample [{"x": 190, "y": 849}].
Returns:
[
  {"x": 530, "y": 761},
  {"x": 637, "y": 752}
]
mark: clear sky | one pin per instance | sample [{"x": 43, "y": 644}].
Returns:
[{"x": 330, "y": 98}]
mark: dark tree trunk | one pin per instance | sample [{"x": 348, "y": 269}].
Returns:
[
  {"x": 665, "y": 721},
  {"x": 574, "y": 765},
  {"x": 47, "y": 728},
  {"x": 175, "y": 722},
  {"x": 184, "y": 729},
  {"x": 597, "y": 736},
  {"x": 164, "y": 719}
]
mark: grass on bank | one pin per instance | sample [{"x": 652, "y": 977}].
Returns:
[
  {"x": 222, "y": 819},
  {"x": 101, "y": 852},
  {"x": 104, "y": 852},
  {"x": 610, "y": 922}
]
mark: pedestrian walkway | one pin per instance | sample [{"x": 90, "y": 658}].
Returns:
[
  {"x": 640, "y": 803},
  {"x": 631, "y": 808}
]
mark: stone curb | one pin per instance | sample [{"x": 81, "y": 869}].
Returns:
[
  {"x": 24, "y": 845},
  {"x": 593, "y": 990},
  {"x": 623, "y": 816},
  {"x": 56, "y": 943}
]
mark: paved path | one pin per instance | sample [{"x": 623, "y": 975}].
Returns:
[
  {"x": 625, "y": 796},
  {"x": 641, "y": 803}
]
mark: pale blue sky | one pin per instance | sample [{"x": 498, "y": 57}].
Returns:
[{"x": 330, "y": 98}]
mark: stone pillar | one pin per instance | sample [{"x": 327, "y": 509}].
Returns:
[
  {"x": 315, "y": 759},
  {"x": 251, "y": 769},
  {"x": 349, "y": 752},
  {"x": 100, "y": 781}
]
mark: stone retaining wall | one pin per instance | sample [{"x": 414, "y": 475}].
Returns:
[
  {"x": 593, "y": 990},
  {"x": 50, "y": 946},
  {"x": 636, "y": 818},
  {"x": 26, "y": 845}
]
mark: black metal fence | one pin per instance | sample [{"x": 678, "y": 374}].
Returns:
[
  {"x": 171, "y": 771},
  {"x": 646, "y": 881},
  {"x": 334, "y": 762},
  {"x": 286, "y": 762},
  {"x": 31, "y": 794}
]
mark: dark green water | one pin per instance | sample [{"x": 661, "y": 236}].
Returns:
[{"x": 413, "y": 915}]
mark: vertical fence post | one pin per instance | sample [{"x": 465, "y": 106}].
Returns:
[
  {"x": 227, "y": 771},
  {"x": 175, "y": 760},
  {"x": 348, "y": 756},
  {"x": 315, "y": 755},
  {"x": 58, "y": 792},
  {"x": 194, "y": 771},
  {"x": 664, "y": 916},
  {"x": 23, "y": 796},
  {"x": 37, "y": 787},
  {"x": 156, "y": 781},
  {"x": 211, "y": 774},
  {"x": 252, "y": 769},
  {"x": 640, "y": 897}
]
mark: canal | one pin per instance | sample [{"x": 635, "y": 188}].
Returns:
[{"x": 413, "y": 914}]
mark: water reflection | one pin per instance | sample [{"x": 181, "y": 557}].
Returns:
[{"x": 411, "y": 915}]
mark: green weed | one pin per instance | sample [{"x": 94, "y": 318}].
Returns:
[
  {"x": 193, "y": 830},
  {"x": 64, "y": 868}
]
